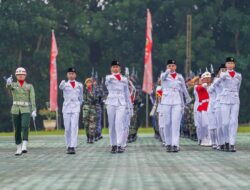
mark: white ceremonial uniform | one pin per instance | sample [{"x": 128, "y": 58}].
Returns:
[
  {"x": 230, "y": 103},
  {"x": 212, "y": 124},
  {"x": 73, "y": 98},
  {"x": 172, "y": 104},
  {"x": 196, "y": 123},
  {"x": 128, "y": 114},
  {"x": 118, "y": 101},
  {"x": 161, "y": 117},
  {"x": 218, "y": 114}
]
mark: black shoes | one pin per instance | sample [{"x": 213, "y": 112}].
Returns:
[
  {"x": 71, "y": 150},
  {"x": 169, "y": 148},
  {"x": 222, "y": 147},
  {"x": 113, "y": 149},
  {"x": 227, "y": 147},
  {"x": 175, "y": 149},
  {"x": 232, "y": 148},
  {"x": 120, "y": 149},
  {"x": 117, "y": 149}
]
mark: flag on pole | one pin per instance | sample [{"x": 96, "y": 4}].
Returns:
[
  {"x": 53, "y": 74},
  {"x": 148, "y": 75}
]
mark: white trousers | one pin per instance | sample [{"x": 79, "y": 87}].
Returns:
[
  {"x": 230, "y": 113},
  {"x": 220, "y": 134},
  {"x": 173, "y": 115},
  {"x": 71, "y": 124},
  {"x": 203, "y": 124},
  {"x": 116, "y": 117},
  {"x": 161, "y": 123},
  {"x": 127, "y": 119}
]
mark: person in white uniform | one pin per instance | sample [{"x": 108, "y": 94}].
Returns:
[
  {"x": 118, "y": 103},
  {"x": 230, "y": 103},
  {"x": 73, "y": 98},
  {"x": 217, "y": 107},
  {"x": 212, "y": 124},
  {"x": 173, "y": 87}
]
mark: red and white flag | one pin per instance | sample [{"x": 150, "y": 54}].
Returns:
[
  {"x": 148, "y": 73},
  {"x": 53, "y": 74}
]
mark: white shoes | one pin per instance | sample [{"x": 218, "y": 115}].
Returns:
[
  {"x": 206, "y": 142},
  {"x": 19, "y": 150},
  {"x": 24, "y": 147}
]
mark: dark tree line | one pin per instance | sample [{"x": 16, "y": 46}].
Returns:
[{"x": 90, "y": 33}]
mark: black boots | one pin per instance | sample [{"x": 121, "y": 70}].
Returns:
[
  {"x": 71, "y": 150},
  {"x": 232, "y": 148},
  {"x": 120, "y": 149},
  {"x": 113, "y": 149},
  {"x": 175, "y": 149},
  {"x": 168, "y": 148}
]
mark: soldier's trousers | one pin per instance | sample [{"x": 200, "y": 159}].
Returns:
[
  {"x": 127, "y": 119},
  {"x": 71, "y": 124},
  {"x": 161, "y": 121},
  {"x": 89, "y": 120},
  {"x": 220, "y": 134},
  {"x": 173, "y": 116},
  {"x": 98, "y": 119},
  {"x": 21, "y": 124},
  {"x": 203, "y": 124},
  {"x": 230, "y": 121},
  {"x": 116, "y": 116}
]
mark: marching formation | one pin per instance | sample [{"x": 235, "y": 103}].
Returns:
[{"x": 210, "y": 117}]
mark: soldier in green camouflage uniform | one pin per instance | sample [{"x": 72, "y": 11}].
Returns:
[
  {"x": 23, "y": 107},
  {"x": 89, "y": 110},
  {"x": 189, "y": 114}
]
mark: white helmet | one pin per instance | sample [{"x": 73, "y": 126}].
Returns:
[
  {"x": 206, "y": 75},
  {"x": 20, "y": 71}
]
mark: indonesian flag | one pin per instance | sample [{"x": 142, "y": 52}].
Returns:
[
  {"x": 53, "y": 74},
  {"x": 148, "y": 75}
]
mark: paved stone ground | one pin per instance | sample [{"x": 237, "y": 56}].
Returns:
[{"x": 145, "y": 165}]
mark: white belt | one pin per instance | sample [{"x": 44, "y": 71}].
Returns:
[
  {"x": 21, "y": 103},
  {"x": 171, "y": 89},
  {"x": 231, "y": 90},
  {"x": 116, "y": 92},
  {"x": 203, "y": 101}
]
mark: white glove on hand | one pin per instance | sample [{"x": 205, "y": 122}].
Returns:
[
  {"x": 204, "y": 85},
  {"x": 168, "y": 71},
  {"x": 62, "y": 83},
  {"x": 188, "y": 100},
  {"x": 223, "y": 75},
  {"x": 9, "y": 80},
  {"x": 33, "y": 114}
]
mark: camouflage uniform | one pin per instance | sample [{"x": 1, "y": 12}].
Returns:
[
  {"x": 98, "y": 91},
  {"x": 135, "y": 121},
  {"x": 189, "y": 119},
  {"x": 89, "y": 114}
]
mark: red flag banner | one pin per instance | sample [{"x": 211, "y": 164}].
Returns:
[
  {"x": 53, "y": 74},
  {"x": 148, "y": 73}
]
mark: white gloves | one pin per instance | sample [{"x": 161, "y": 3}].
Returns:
[
  {"x": 62, "y": 83},
  {"x": 33, "y": 114},
  {"x": 9, "y": 80},
  {"x": 223, "y": 75},
  {"x": 168, "y": 71},
  {"x": 188, "y": 100},
  {"x": 204, "y": 85}
]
